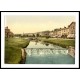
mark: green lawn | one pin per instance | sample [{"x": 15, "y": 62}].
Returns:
[
  {"x": 60, "y": 42},
  {"x": 13, "y": 49}
]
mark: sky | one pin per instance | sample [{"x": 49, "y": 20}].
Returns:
[{"x": 19, "y": 24}]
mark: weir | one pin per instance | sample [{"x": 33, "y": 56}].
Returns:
[
  {"x": 39, "y": 53},
  {"x": 45, "y": 51}
]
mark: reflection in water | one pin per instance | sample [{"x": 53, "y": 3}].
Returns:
[
  {"x": 46, "y": 44},
  {"x": 37, "y": 53}
]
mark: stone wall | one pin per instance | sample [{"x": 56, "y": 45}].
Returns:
[
  {"x": 23, "y": 57},
  {"x": 71, "y": 51}
]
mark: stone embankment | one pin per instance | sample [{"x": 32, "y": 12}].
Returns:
[
  {"x": 71, "y": 51},
  {"x": 24, "y": 54},
  {"x": 23, "y": 57}
]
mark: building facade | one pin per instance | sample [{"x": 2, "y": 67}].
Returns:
[
  {"x": 71, "y": 28},
  {"x": 8, "y": 33},
  {"x": 66, "y": 32}
]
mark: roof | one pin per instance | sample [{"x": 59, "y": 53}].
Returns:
[{"x": 71, "y": 24}]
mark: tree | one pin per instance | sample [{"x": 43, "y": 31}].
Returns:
[
  {"x": 37, "y": 34},
  {"x": 64, "y": 36},
  {"x": 33, "y": 35},
  {"x": 47, "y": 37}
]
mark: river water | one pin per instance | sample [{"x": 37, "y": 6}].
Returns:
[{"x": 45, "y": 53}]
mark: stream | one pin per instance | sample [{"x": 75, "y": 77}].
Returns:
[{"x": 46, "y": 53}]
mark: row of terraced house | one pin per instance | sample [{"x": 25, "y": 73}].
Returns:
[{"x": 66, "y": 32}]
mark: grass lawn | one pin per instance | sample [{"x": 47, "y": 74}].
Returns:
[
  {"x": 13, "y": 49},
  {"x": 60, "y": 42}
]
